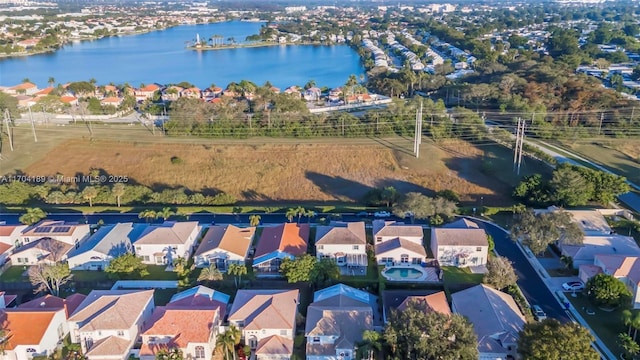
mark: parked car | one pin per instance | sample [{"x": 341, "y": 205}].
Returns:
[
  {"x": 573, "y": 286},
  {"x": 382, "y": 214},
  {"x": 538, "y": 313},
  {"x": 362, "y": 214}
]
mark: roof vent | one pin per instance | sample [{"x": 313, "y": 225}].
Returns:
[{"x": 42, "y": 304}]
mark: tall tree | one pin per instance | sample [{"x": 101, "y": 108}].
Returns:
[
  {"x": 227, "y": 342},
  {"x": 551, "y": 340},
  {"x": 290, "y": 214},
  {"x": 32, "y": 216},
  {"x": 607, "y": 291},
  {"x": 298, "y": 269},
  {"x": 629, "y": 345},
  {"x": 237, "y": 270},
  {"x": 415, "y": 334},
  {"x": 370, "y": 345},
  {"x": 148, "y": 215},
  {"x": 118, "y": 190},
  {"x": 165, "y": 214},
  {"x": 49, "y": 277},
  {"x": 538, "y": 231},
  {"x": 565, "y": 182},
  {"x": 89, "y": 193},
  {"x": 500, "y": 273}
]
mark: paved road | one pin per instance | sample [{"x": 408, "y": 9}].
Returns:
[
  {"x": 203, "y": 218},
  {"x": 529, "y": 280}
]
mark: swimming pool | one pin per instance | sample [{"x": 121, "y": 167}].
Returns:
[{"x": 403, "y": 274}]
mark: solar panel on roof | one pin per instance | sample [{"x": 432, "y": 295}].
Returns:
[
  {"x": 43, "y": 229},
  {"x": 61, "y": 229}
]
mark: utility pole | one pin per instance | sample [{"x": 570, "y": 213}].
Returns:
[
  {"x": 33, "y": 126},
  {"x": 516, "y": 146},
  {"x": 418, "y": 132},
  {"x": 521, "y": 143},
  {"x": 600, "y": 124},
  {"x": 415, "y": 136},
  {"x": 7, "y": 119}
]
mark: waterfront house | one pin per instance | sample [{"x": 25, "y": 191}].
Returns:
[
  {"x": 278, "y": 242},
  {"x": 31, "y": 333},
  {"x": 107, "y": 323},
  {"x": 312, "y": 94},
  {"x": 44, "y": 92},
  {"x": 267, "y": 319},
  {"x": 106, "y": 244},
  {"x": 111, "y": 101},
  {"x": 496, "y": 319},
  {"x": 293, "y": 90},
  {"x": 172, "y": 93},
  {"x": 146, "y": 92},
  {"x": 336, "y": 321},
  {"x": 42, "y": 251},
  {"x": 224, "y": 245},
  {"x": 70, "y": 100},
  {"x": 343, "y": 242},
  {"x": 398, "y": 243},
  {"x": 26, "y": 88},
  {"x": 160, "y": 244},
  {"x": 275, "y": 90},
  {"x": 28, "y": 43},
  {"x": 67, "y": 232},
  {"x": 461, "y": 243},
  {"x": 192, "y": 93}
]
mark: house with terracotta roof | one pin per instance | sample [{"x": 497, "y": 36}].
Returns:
[
  {"x": 107, "y": 323},
  {"x": 172, "y": 93},
  {"x": 427, "y": 300},
  {"x": 267, "y": 319},
  {"x": 159, "y": 244},
  {"x": 224, "y": 245},
  {"x": 201, "y": 297},
  {"x": 146, "y": 92},
  {"x": 44, "y": 92},
  {"x": 193, "y": 331},
  {"x": 41, "y": 251},
  {"x": 278, "y": 242},
  {"x": 336, "y": 320},
  {"x": 112, "y": 100},
  {"x": 192, "y": 93},
  {"x": 622, "y": 267},
  {"x": 106, "y": 244},
  {"x": 28, "y": 43},
  {"x": 9, "y": 237},
  {"x": 26, "y": 88},
  {"x": 343, "y": 242},
  {"x": 68, "y": 232},
  {"x": 30, "y": 333},
  {"x": 398, "y": 243},
  {"x": 68, "y": 99},
  {"x": 496, "y": 320},
  {"x": 460, "y": 243}
]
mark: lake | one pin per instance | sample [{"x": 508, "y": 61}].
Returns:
[{"x": 162, "y": 57}]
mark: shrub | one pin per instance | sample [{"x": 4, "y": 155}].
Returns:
[{"x": 176, "y": 160}]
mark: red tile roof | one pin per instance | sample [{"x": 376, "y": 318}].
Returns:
[
  {"x": 290, "y": 238},
  {"x": 184, "y": 325},
  {"x": 25, "y": 327}
]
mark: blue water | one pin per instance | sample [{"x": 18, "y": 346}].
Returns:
[
  {"x": 403, "y": 273},
  {"x": 161, "y": 57}
]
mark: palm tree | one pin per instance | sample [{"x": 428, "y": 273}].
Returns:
[
  {"x": 630, "y": 346},
  {"x": 228, "y": 340},
  {"x": 89, "y": 193},
  {"x": 635, "y": 324},
  {"x": 210, "y": 274},
  {"x": 371, "y": 343},
  {"x": 148, "y": 215},
  {"x": 627, "y": 317},
  {"x": 118, "y": 190},
  {"x": 254, "y": 220},
  {"x": 290, "y": 214},
  {"x": 51, "y": 81},
  {"x": 165, "y": 214},
  {"x": 300, "y": 211},
  {"x": 32, "y": 216},
  {"x": 309, "y": 84},
  {"x": 309, "y": 214},
  {"x": 237, "y": 270}
]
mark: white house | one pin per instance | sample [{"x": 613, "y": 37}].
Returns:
[
  {"x": 43, "y": 250},
  {"x": 32, "y": 333},
  {"x": 224, "y": 245},
  {"x": 496, "y": 319},
  {"x": 336, "y": 320},
  {"x": 106, "y": 244},
  {"x": 343, "y": 242},
  {"x": 193, "y": 331},
  {"x": 9, "y": 237},
  {"x": 107, "y": 323},
  {"x": 160, "y": 244},
  {"x": 397, "y": 243},
  {"x": 461, "y": 243},
  {"x": 67, "y": 232},
  {"x": 600, "y": 245},
  {"x": 267, "y": 319}
]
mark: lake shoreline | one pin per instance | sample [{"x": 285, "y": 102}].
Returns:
[{"x": 258, "y": 45}]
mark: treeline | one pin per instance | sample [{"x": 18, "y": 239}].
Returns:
[
  {"x": 571, "y": 185},
  {"x": 24, "y": 193}
]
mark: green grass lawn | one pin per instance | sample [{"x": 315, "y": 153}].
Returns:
[
  {"x": 14, "y": 274},
  {"x": 498, "y": 162},
  {"x": 157, "y": 272},
  {"x": 454, "y": 275},
  {"x": 607, "y": 325},
  {"x": 87, "y": 275}
]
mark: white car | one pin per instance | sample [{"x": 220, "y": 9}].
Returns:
[
  {"x": 538, "y": 313},
  {"x": 382, "y": 214},
  {"x": 573, "y": 286}
]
